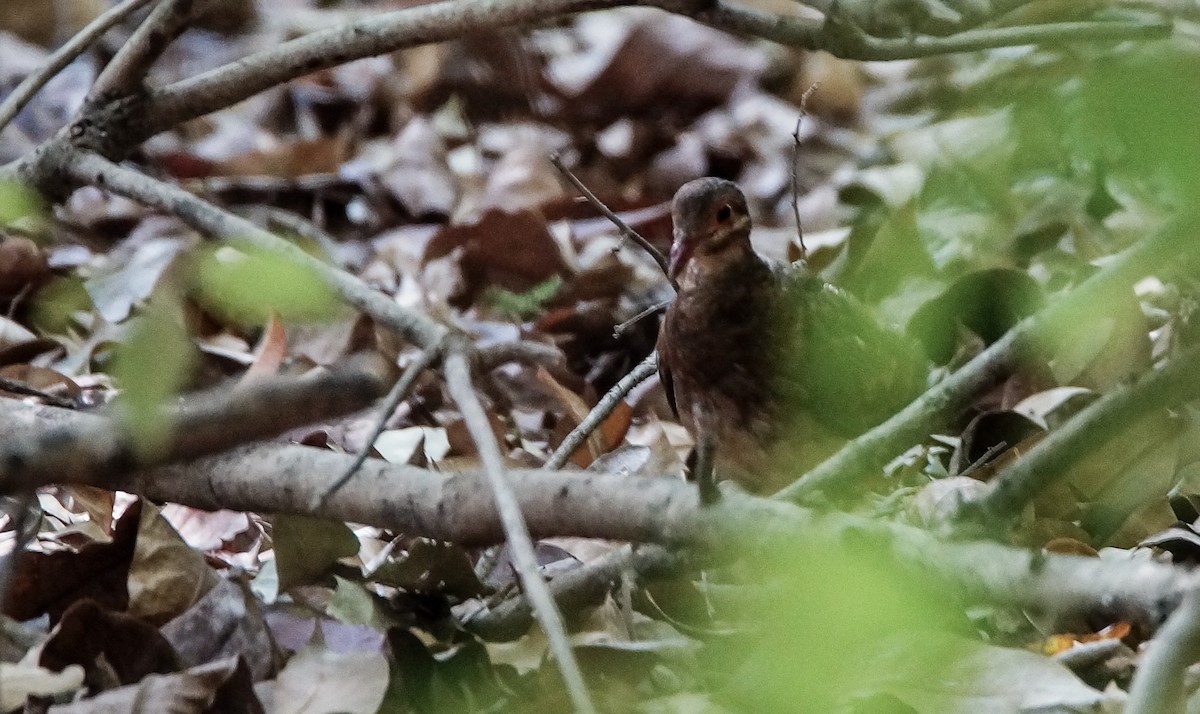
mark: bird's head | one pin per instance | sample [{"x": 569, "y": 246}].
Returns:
[{"x": 712, "y": 225}]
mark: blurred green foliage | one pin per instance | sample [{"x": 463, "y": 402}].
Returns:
[
  {"x": 810, "y": 646},
  {"x": 18, "y": 202},
  {"x": 150, "y": 366},
  {"x": 248, "y": 287},
  {"x": 527, "y": 304}
]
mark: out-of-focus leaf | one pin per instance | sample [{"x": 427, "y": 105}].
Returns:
[
  {"x": 251, "y": 286},
  {"x": 23, "y": 267},
  {"x": 354, "y": 605},
  {"x": 17, "y": 202},
  {"x": 150, "y": 367},
  {"x": 852, "y": 596},
  {"x": 986, "y": 302},
  {"x": 223, "y": 686}
]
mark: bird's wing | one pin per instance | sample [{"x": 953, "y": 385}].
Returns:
[
  {"x": 664, "y": 364},
  {"x": 852, "y": 371}
]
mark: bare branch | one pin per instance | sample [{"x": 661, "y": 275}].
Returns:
[
  {"x": 458, "y": 383},
  {"x": 627, "y": 233},
  {"x": 850, "y": 42},
  {"x": 661, "y": 510},
  {"x": 240, "y": 233},
  {"x": 1158, "y": 685},
  {"x": 600, "y": 412},
  {"x": 209, "y": 422},
  {"x": 524, "y": 351},
  {"x": 126, "y": 73},
  {"x": 399, "y": 391},
  {"x": 375, "y": 35},
  {"x": 576, "y": 589},
  {"x": 63, "y": 56}
]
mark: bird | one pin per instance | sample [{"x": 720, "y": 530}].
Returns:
[{"x": 756, "y": 358}]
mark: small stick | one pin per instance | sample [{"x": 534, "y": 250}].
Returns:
[
  {"x": 63, "y": 56},
  {"x": 600, "y": 412},
  {"x": 399, "y": 391},
  {"x": 622, "y": 328},
  {"x": 508, "y": 507},
  {"x": 796, "y": 164},
  {"x": 982, "y": 460},
  {"x": 627, "y": 233},
  {"x": 126, "y": 72}
]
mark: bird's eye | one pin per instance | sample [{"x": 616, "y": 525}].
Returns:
[{"x": 724, "y": 214}]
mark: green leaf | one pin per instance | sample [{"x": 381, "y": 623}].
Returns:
[
  {"x": 306, "y": 547},
  {"x": 526, "y": 304},
  {"x": 150, "y": 367},
  {"x": 354, "y": 605},
  {"x": 248, "y": 287},
  {"x": 17, "y": 202}
]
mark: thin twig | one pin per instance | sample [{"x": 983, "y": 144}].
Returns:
[
  {"x": 399, "y": 391},
  {"x": 622, "y": 328},
  {"x": 796, "y": 164},
  {"x": 281, "y": 219},
  {"x": 575, "y": 589},
  {"x": 1158, "y": 686},
  {"x": 63, "y": 56},
  {"x": 988, "y": 455},
  {"x": 627, "y": 233},
  {"x": 523, "y": 351},
  {"x": 458, "y": 383},
  {"x": 95, "y": 170},
  {"x": 126, "y": 73},
  {"x": 600, "y": 412}
]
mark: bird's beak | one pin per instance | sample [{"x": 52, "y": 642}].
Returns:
[{"x": 681, "y": 253}]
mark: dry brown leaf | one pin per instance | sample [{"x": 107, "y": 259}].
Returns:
[{"x": 166, "y": 576}]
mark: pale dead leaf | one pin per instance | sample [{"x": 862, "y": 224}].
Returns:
[{"x": 318, "y": 681}]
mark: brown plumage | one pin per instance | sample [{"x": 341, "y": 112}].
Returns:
[{"x": 755, "y": 359}]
